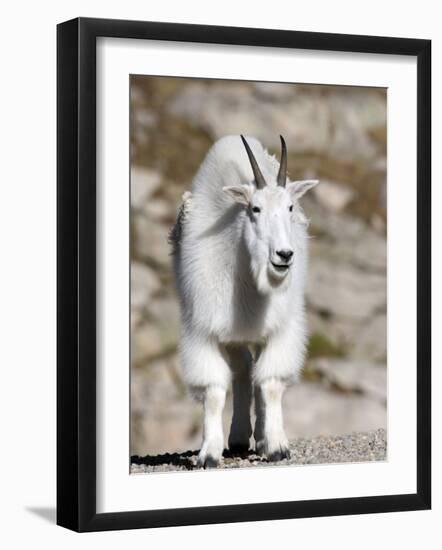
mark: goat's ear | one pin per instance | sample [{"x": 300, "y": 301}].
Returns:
[
  {"x": 239, "y": 193},
  {"x": 299, "y": 188}
]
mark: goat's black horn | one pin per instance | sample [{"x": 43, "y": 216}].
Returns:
[
  {"x": 259, "y": 178},
  {"x": 282, "y": 174}
]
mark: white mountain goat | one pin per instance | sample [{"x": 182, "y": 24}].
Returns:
[{"x": 240, "y": 254}]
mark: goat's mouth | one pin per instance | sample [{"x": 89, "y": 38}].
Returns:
[{"x": 280, "y": 268}]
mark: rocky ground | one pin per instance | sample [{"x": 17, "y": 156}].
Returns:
[
  {"x": 357, "y": 447},
  {"x": 337, "y": 134}
]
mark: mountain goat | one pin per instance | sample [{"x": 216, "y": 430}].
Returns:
[{"x": 240, "y": 254}]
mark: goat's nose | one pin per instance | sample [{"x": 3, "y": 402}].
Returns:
[{"x": 285, "y": 254}]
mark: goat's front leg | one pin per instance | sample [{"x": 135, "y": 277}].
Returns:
[
  {"x": 269, "y": 429},
  {"x": 279, "y": 362},
  {"x": 213, "y": 437}
]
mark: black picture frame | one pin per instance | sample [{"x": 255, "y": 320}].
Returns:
[{"x": 76, "y": 273}]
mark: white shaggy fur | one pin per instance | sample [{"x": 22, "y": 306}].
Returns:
[{"x": 239, "y": 298}]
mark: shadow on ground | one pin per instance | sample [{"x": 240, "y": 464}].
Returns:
[
  {"x": 47, "y": 513},
  {"x": 188, "y": 459}
]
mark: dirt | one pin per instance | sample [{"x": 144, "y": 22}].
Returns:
[{"x": 355, "y": 447}]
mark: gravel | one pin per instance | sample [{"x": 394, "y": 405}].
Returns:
[{"x": 356, "y": 447}]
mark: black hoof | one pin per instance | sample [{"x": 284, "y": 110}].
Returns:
[
  {"x": 286, "y": 453},
  {"x": 260, "y": 451},
  {"x": 276, "y": 456},
  {"x": 210, "y": 462},
  {"x": 238, "y": 448}
]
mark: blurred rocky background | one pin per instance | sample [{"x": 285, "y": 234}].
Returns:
[{"x": 337, "y": 134}]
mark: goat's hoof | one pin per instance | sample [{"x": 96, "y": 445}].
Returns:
[
  {"x": 273, "y": 452},
  {"x": 208, "y": 462},
  {"x": 262, "y": 447},
  {"x": 238, "y": 448},
  {"x": 278, "y": 455}
]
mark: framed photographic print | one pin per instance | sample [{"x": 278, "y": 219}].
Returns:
[{"x": 243, "y": 274}]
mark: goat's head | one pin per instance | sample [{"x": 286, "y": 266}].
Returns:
[{"x": 272, "y": 214}]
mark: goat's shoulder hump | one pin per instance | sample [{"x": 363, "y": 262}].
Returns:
[{"x": 232, "y": 146}]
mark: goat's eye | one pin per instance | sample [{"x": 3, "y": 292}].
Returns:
[
  {"x": 256, "y": 209},
  {"x": 291, "y": 208}
]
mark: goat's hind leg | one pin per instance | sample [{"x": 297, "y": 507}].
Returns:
[{"x": 241, "y": 429}]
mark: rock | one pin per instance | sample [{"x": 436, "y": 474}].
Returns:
[
  {"x": 152, "y": 339},
  {"x": 378, "y": 224},
  {"x": 164, "y": 418},
  {"x": 383, "y": 194},
  {"x": 135, "y": 319},
  {"x": 146, "y": 344},
  {"x": 151, "y": 242},
  {"x": 367, "y": 255},
  {"x": 370, "y": 252},
  {"x": 344, "y": 238},
  {"x": 136, "y": 95},
  {"x": 143, "y": 183},
  {"x": 355, "y": 447},
  {"x": 311, "y": 409},
  {"x": 158, "y": 334},
  {"x": 380, "y": 164},
  {"x": 144, "y": 283},
  {"x": 159, "y": 210},
  {"x": 338, "y": 227},
  {"x": 165, "y": 310},
  {"x": 327, "y": 121},
  {"x": 340, "y": 290},
  {"x": 361, "y": 377},
  {"x": 144, "y": 118},
  {"x": 333, "y": 196},
  {"x": 354, "y": 113},
  {"x": 370, "y": 341},
  {"x": 347, "y": 270},
  {"x": 273, "y": 91},
  {"x": 358, "y": 339},
  {"x": 339, "y": 331}
]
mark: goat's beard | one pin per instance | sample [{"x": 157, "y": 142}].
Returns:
[{"x": 266, "y": 282}]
